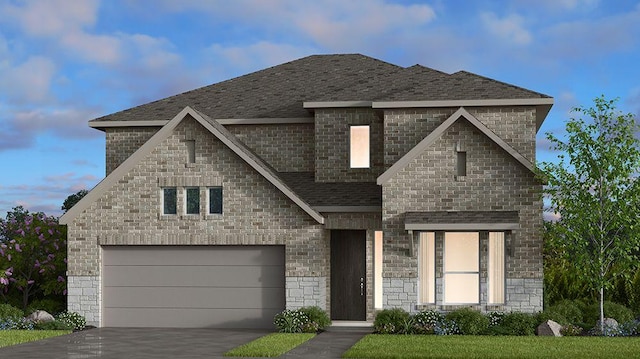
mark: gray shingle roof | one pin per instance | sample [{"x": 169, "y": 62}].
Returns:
[
  {"x": 280, "y": 91},
  {"x": 333, "y": 194},
  {"x": 460, "y": 217}
]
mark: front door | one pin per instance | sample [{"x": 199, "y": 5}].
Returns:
[{"x": 348, "y": 275}]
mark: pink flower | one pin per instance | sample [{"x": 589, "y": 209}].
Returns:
[
  {"x": 37, "y": 264},
  {"x": 41, "y": 271},
  {"x": 18, "y": 247},
  {"x": 60, "y": 279},
  {"x": 41, "y": 237},
  {"x": 9, "y": 257},
  {"x": 50, "y": 231},
  {"x": 38, "y": 230},
  {"x": 31, "y": 281},
  {"x": 4, "y": 281},
  {"x": 64, "y": 292},
  {"x": 9, "y": 272}
]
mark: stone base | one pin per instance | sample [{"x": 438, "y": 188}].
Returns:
[
  {"x": 83, "y": 297},
  {"x": 306, "y": 292}
]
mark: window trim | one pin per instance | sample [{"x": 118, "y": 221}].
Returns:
[
  {"x": 353, "y": 149},
  {"x": 424, "y": 238},
  {"x": 503, "y": 282}
]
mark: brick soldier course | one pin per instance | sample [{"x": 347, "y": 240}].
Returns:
[{"x": 277, "y": 142}]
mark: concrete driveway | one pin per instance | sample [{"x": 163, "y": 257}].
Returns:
[
  {"x": 160, "y": 343},
  {"x": 133, "y": 343}
]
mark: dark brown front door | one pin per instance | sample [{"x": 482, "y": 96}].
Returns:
[{"x": 348, "y": 275}]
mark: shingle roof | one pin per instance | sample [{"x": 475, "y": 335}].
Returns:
[
  {"x": 318, "y": 194},
  {"x": 280, "y": 91},
  {"x": 459, "y": 217}
]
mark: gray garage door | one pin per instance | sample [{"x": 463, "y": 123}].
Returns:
[{"x": 194, "y": 286}]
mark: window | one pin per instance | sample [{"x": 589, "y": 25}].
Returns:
[
  {"x": 191, "y": 151},
  {"x": 359, "y": 147},
  {"x": 169, "y": 200},
  {"x": 461, "y": 164},
  {"x": 215, "y": 200},
  {"x": 193, "y": 200},
  {"x": 461, "y": 268},
  {"x": 427, "y": 268},
  {"x": 377, "y": 269},
  {"x": 496, "y": 268}
]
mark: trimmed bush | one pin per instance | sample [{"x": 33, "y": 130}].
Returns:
[
  {"x": 469, "y": 321},
  {"x": 50, "y": 306},
  {"x": 10, "y": 312},
  {"x": 73, "y": 319},
  {"x": 542, "y": 317},
  {"x": 516, "y": 323},
  {"x": 391, "y": 321},
  {"x": 571, "y": 330},
  {"x": 568, "y": 310},
  {"x": 53, "y": 325},
  {"x": 616, "y": 311},
  {"x": 426, "y": 321},
  {"x": 13, "y": 324},
  {"x": 318, "y": 316}
]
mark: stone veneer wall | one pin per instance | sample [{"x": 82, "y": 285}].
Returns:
[
  {"x": 494, "y": 182},
  {"x": 306, "y": 292},
  {"x": 332, "y": 145},
  {"x": 254, "y": 212},
  {"x": 83, "y": 296},
  {"x": 122, "y": 142},
  {"x": 286, "y": 147}
]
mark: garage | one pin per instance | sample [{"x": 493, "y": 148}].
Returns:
[{"x": 192, "y": 286}]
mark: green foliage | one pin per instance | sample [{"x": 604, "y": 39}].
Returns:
[
  {"x": 49, "y": 305},
  {"x": 391, "y": 321},
  {"x": 571, "y": 330},
  {"x": 73, "y": 319},
  {"x": 568, "y": 310},
  {"x": 53, "y": 325},
  {"x": 33, "y": 249},
  {"x": 543, "y": 316},
  {"x": 71, "y": 200},
  {"x": 616, "y": 311},
  {"x": 469, "y": 321},
  {"x": 517, "y": 323},
  {"x": 8, "y": 311},
  {"x": 299, "y": 321},
  {"x": 633, "y": 292},
  {"x": 426, "y": 321},
  {"x": 318, "y": 316},
  {"x": 595, "y": 191}
]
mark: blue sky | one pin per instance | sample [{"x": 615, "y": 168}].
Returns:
[{"x": 63, "y": 63}]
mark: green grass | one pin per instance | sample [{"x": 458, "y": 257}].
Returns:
[
  {"x": 271, "y": 345},
  {"x": 13, "y": 337},
  {"x": 431, "y": 346}
]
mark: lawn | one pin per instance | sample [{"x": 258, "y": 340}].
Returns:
[
  {"x": 432, "y": 346},
  {"x": 271, "y": 345},
  {"x": 12, "y": 337}
]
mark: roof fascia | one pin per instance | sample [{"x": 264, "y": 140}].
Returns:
[
  {"x": 467, "y": 103},
  {"x": 124, "y": 168},
  {"x": 222, "y": 121},
  {"x": 335, "y": 104},
  {"x": 153, "y": 142},
  {"x": 435, "y": 134}
]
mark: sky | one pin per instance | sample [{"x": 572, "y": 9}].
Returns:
[{"x": 65, "y": 62}]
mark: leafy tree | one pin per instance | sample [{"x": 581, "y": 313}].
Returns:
[
  {"x": 73, "y": 199},
  {"x": 33, "y": 248},
  {"x": 594, "y": 189}
]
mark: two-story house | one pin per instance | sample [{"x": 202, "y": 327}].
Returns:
[{"x": 340, "y": 181}]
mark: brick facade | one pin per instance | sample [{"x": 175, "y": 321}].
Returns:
[{"x": 122, "y": 142}]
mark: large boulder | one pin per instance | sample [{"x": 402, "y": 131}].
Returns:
[
  {"x": 611, "y": 327},
  {"x": 40, "y": 316},
  {"x": 549, "y": 329}
]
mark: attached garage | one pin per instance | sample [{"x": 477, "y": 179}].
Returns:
[{"x": 192, "y": 286}]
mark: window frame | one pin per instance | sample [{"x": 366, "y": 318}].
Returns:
[
  {"x": 163, "y": 201},
  {"x": 209, "y": 201}
]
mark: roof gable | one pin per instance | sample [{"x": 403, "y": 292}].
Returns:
[
  {"x": 217, "y": 130},
  {"x": 435, "y": 134}
]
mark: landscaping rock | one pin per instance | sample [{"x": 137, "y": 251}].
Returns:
[
  {"x": 549, "y": 329},
  {"x": 40, "y": 316},
  {"x": 610, "y": 327}
]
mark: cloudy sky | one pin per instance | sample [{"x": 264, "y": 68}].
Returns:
[{"x": 63, "y": 63}]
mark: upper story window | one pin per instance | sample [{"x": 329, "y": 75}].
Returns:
[
  {"x": 191, "y": 151},
  {"x": 359, "y": 146},
  {"x": 215, "y": 200},
  {"x": 193, "y": 200},
  {"x": 169, "y": 200}
]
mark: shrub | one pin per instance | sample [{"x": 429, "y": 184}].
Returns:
[
  {"x": 517, "y": 323},
  {"x": 73, "y": 319},
  {"x": 318, "y": 316},
  {"x": 290, "y": 321},
  {"x": 446, "y": 327},
  {"x": 571, "y": 330},
  {"x": 391, "y": 321},
  {"x": 630, "y": 328},
  {"x": 568, "y": 310},
  {"x": 12, "y": 323},
  {"x": 426, "y": 321},
  {"x": 10, "y": 312},
  {"x": 53, "y": 325},
  {"x": 469, "y": 321},
  {"x": 50, "y": 306},
  {"x": 548, "y": 314},
  {"x": 616, "y": 311}
]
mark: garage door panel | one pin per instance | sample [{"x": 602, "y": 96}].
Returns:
[
  {"x": 195, "y": 276},
  {"x": 193, "y": 297},
  {"x": 194, "y": 255},
  {"x": 190, "y": 318},
  {"x": 192, "y": 286}
]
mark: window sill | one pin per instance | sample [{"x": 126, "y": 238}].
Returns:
[
  {"x": 460, "y": 178},
  {"x": 213, "y": 216}
]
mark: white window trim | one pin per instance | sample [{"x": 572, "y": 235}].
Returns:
[
  {"x": 503, "y": 282},
  {"x": 424, "y": 238}
]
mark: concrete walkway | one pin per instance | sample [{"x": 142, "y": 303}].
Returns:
[{"x": 161, "y": 343}]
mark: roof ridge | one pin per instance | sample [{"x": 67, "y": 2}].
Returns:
[{"x": 463, "y": 72}]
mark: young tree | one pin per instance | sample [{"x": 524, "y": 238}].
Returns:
[
  {"x": 594, "y": 189},
  {"x": 33, "y": 251},
  {"x": 72, "y": 199}
]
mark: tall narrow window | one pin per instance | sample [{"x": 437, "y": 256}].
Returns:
[
  {"x": 461, "y": 268},
  {"x": 191, "y": 151},
  {"x": 193, "y": 200},
  {"x": 427, "y": 268},
  {"x": 496, "y": 268},
  {"x": 461, "y": 164},
  {"x": 359, "y": 146},
  {"x": 169, "y": 200},
  {"x": 377, "y": 269},
  {"x": 215, "y": 200}
]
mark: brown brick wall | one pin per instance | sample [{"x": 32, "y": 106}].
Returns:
[
  {"x": 332, "y": 145},
  {"x": 122, "y": 142}
]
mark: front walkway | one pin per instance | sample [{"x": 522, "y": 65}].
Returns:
[{"x": 330, "y": 344}]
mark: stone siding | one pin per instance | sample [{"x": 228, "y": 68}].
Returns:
[
  {"x": 83, "y": 296},
  {"x": 332, "y": 139},
  {"x": 306, "y": 292}
]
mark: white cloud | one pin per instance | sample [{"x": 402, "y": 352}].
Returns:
[
  {"x": 27, "y": 82},
  {"x": 255, "y": 56},
  {"x": 52, "y": 17},
  {"x": 510, "y": 28},
  {"x": 561, "y": 5}
]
